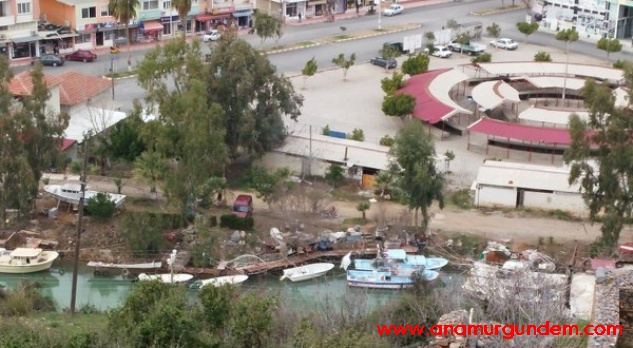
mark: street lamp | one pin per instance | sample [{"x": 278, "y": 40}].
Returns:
[{"x": 379, "y": 5}]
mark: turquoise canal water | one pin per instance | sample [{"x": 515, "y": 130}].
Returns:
[{"x": 110, "y": 292}]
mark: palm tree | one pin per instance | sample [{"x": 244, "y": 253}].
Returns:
[
  {"x": 150, "y": 166},
  {"x": 124, "y": 11},
  {"x": 183, "y": 7}
]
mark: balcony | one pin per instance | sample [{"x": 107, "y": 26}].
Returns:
[
  {"x": 194, "y": 10},
  {"x": 7, "y": 20}
]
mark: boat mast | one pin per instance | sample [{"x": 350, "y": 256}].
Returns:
[{"x": 73, "y": 296}]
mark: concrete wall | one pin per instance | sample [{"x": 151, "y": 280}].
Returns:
[
  {"x": 274, "y": 160},
  {"x": 492, "y": 195},
  {"x": 58, "y": 13},
  {"x": 570, "y": 202}
]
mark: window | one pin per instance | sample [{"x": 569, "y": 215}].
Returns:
[
  {"x": 150, "y": 5},
  {"x": 166, "y": 5},
  {"x": 167, "y": 29},
  {"x": 89, "y": 12},
  {"x": 83, "y": 38},
  {"x": 24, "y": 8},
  {"x": 291, "y": 9},
  {"x": 105, "y": 12}
]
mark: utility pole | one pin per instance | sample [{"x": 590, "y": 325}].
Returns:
[
  {"x": 379, "y": 14},
  {"x": 112, "y": 74},
  {"x": 83, "y": 180},
  {"x": 310, "y": 158}
]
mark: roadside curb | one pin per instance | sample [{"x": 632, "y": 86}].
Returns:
[{"x": 383, "y": 32}]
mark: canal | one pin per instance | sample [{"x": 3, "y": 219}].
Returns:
[{"x": 103, "y": 292}]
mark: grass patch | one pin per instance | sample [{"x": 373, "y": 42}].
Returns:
[
  {"x": 120, "y": 74},
  {"x": 462, "y": 199},
  {"x": 304, "y": 43},
  {"x": 342, "y": 37}
]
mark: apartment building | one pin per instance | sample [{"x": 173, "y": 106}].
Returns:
[{"x": 18, "y": 28}]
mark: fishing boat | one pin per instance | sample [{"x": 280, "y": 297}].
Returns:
[
  {"x": 26, "y": 260},
  {"x": 219, "y": 281},
  {"x": 123, "y": 268},
  {"x": 166, "y": 278},
  {"x": 398, "y": 259},
  {"x": 298, "y": 274},
  {"x": 386, "y": 279},
  {"x": 71, "y": 193}
]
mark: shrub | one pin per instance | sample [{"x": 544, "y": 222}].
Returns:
[
  {"x": 237, "y": 223},
  {"x": 387, "y": 141},
  {"x": 482, "y": 58},
  {"x": 100, "y": 206},
  {"x": 462, "y": 199},
  {"x": 213, "y": 221},
  {"x": 75, "y": 168},
  {"x": 357, "y": 134},
  {"x": 619, "y": 64},
  {"x": 335, "y": 173},
  {"x": 325, "y": 130},
  {"x": 542, "y": 57}
]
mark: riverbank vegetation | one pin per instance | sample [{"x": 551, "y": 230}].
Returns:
[{"x": 159, "y": 315}]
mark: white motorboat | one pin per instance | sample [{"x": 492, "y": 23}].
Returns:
[
  {"x": 219, "y": 281},
  {"x": 315, "y": 270},
  {"x": 166, "y": 278},
  {"x": 71, "y": 193},
  {"x": 26, "y": 260}
]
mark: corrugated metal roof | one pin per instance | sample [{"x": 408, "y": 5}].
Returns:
[
  {"x": 551, "y": 116},
  {"x": 528, "y": 176},
  {"x": 544, "y": 135},
  {"x": 491, "y": 94},
  {"x": 546, "y": 68}
]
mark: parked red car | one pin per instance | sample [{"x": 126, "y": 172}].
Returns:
[{"x": 81, "y": 56}]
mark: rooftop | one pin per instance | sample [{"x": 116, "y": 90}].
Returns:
[{"x": 74, "y": 87}]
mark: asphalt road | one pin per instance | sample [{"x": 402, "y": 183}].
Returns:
[{"x": 430, "y": 18}]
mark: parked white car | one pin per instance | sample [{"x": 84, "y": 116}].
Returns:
[
  {"x": 393, "y": 10},
  {"x": 440, "y": 51},
  {"x": 211, "y": 35},
  {"x": 506, "y": 44}
]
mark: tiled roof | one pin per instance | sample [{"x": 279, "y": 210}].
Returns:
[
  {"x": 22, "y": 85},
  {"x": 67, "y": 143},
  {"x": 74, "y": 87}
]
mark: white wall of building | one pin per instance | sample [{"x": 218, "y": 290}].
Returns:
[
  {"x": 491, "y": 196},
  {"x": 555, "y": 201}
]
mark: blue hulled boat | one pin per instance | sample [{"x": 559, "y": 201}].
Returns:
[
  {"x": 402, "y": 264},
  {"x": 385, "y": 279}
]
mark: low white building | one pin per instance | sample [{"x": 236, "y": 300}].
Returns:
[{"x": 517, "y": 185}]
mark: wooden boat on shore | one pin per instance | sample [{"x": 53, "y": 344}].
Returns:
[
  {"x": 26, "y": 260},
  {"x": 166, "y": 278},
  {"x": 124, "y": 268},
  {"x": 219, "y": 281},
  {"x": 71, "y": 193},
  {"x": 311, "y": 271}
]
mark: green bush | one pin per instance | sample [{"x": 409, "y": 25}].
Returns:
[
  {"x": 463, "y": 199},
  {"x": 213, "y": 221},
  {"x": 334, "y": 174},
  {"x": 482, "y": 58},
  {"x": 542, "y": 57},
  {"x": 357, "y": 134},
  {"x": 100, "y": 206},
  {"x": 619, "y": 64},
  {"x": 237, "y": 223},
  {"x": 387, "y": 141}
]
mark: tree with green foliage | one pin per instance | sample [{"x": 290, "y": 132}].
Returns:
[
  {"x": 325, "y": 130},
  {"x": 391, "y": 85},
  {"x": 399, "y": 105},
  {"x": 416, "y": 65},
  {"x": 334, "y": 174},
  {"x": 417, "y": 179},
  {"x": 527, "y": 28},
  {"x": 101, "y": 206},
  {"x": 609, "y": 45},
  {"x": 462, "y": 39},
  {"x": 449, "y": 156},
  {"x": 270, "y": 187},
  {"x": 253, "y": 96},
  {"x": 217, "y": 304},
  {"x": 388, "y": 52},
  {"x": 429, "y": 37},
  {"x": 183, "y": 7},
  {"x": 309, "y": 70},
  {"x": 125, "y": 140},
  {"x": 482, "y": 58},
  {"x": 542, "y": 56},
  {"x": 452, "y": 24},
  {"x": 151, "y": 167},
  {"x": 124, "y": 11},
  {"x": 600, "y": 158},
  {"x": 344, "y": 63},
  {"x": 362, "y": 207},
  {"x": 267, "y": 26},
  {"x": 493, "y": 30},
  {"x": 569, "y": 36},
  {"x": 357, "y": 134},
  {"x": 252, "y": 321}
]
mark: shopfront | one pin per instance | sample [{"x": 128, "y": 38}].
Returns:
[
  {"x": 109, "y": 31},
  {"x": 316, "y": 8},
  {"x": 24, "y": 47},
  {"x": 218, "y": 18},
  {"x": 170, "y": 25},
  {"x": 151, "y": 29},
  {"x": 57, "y": 42},
  {"x": 85, "y": 37},
  {"x": 243, "y": 16}
]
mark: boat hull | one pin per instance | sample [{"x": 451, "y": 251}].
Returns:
[
  {"x": 219, "y": 281},
  {"x": 374, "y": 285},
  {"x": 51, "y": 256},
  {"x": 307, "y": 272},
  {"x": 385, "y": 279},
  {"x": 167, "y": 278}
]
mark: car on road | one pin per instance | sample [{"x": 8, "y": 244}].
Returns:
[
  {"x": 49, "y": 59},
  {"x": 439, "y": 51},
  {"x": 81, "y": 56},
  {"x": 506, "y": 44},
  {"x": 385, "y": 63},
  {"x": 211, "y": 35},
  {"x": 393, "y": 10}
]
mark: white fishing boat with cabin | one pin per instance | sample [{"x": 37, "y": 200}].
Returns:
[
  {"x": 71, "y": 193},
  {"x": 166, "y": 278},
  {"x": 219, "y": 281},
  {"x": 311, "y": 271},
  {"x": 26, "y": 260}
]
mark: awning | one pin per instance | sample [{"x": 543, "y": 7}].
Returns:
[
  {"x": 26, "y": 39},
  {"x": 316, "y": 2},
  {"x": 208, "y": 17},
  {"x": 152, "y": 26},
  {"x": 63, "y": 36},
  {"x": 243, "y": 13}
]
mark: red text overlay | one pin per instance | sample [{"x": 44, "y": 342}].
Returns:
[{"x": 507, "y": 331}]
